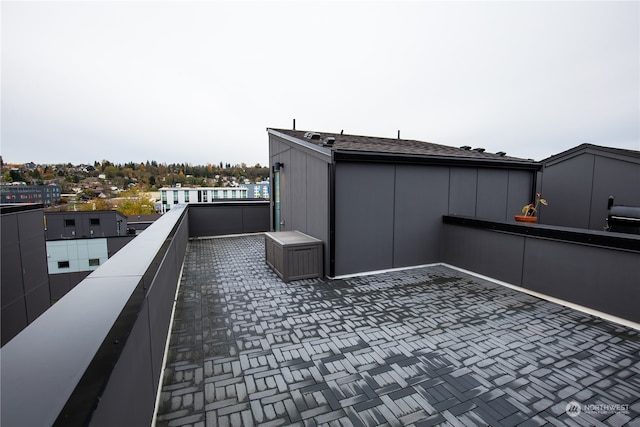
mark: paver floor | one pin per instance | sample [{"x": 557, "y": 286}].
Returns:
[{"x": 421, "y": 347}]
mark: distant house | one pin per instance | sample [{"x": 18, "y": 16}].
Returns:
[
  {"x": 377, "y": 203},
  {"x": 578, "y": 182}
]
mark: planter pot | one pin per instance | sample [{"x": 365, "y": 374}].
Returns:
[{"x": 529, "y": 219}]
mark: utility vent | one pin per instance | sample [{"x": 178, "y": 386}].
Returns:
[
  {"x": 501, "y": 153},
  {"x": 329, "y": 141},
  {"x": 312, "y": 136},
  {"x": 465, "y": 147},
  {"x": 479, "y": 150}
]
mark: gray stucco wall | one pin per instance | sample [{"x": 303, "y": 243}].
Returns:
[
  {"x": 304, "y": 190},
  {"x": 578, "y": 187},
  {"x": 390, "y": 216},
  {"x": 25, "y": 282}
]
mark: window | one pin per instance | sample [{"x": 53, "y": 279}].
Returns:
[
  {"x": 163, "y": 196},
  {"x": 94, "y": 261},
  {"x": 94, "y": 221},
  {"x": 204, "y": 196},
  {"x": 199, "y": 196},
  {"x": 186, "y": 196},
  {"x": 63, "y": 264},
  {"x": 69, "y": 222},
  {"x": 175, "y": 197}
]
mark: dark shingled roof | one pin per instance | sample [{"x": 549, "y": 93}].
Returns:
[{"x": 371, "y": 144}]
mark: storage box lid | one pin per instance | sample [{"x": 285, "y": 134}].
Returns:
[{"x": 292, "y": 238}]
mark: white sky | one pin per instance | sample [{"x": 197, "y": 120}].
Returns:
[{"x": 199, "y": 82}]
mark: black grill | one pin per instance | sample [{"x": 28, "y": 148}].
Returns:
[{"x": 623, "y": 219}]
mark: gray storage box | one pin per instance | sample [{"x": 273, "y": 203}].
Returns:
[{"x": 293, "y": 255}]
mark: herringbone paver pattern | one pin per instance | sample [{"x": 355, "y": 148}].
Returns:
[{"x": 421, "y": 347}]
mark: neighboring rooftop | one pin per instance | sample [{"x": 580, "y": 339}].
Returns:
[
  {"x": 628, "y": 155},
  {"x": 421, "y": 346},
  {"x": 370, "y": 144}
]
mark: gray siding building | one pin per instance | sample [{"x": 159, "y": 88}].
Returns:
[
  {"x": 83, "y": 224},
  {"x": 578, "y": 182},
  {"x": 79, "y": 242},
  {"x": 377, "y": 203},
  {"x": 25, "y": 283},
  {"x": 44, "y": 256}
]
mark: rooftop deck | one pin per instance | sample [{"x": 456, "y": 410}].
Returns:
[{"x": 422, "y": 346}]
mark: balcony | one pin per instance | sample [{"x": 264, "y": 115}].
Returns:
[{"x": 426, "y": 345}]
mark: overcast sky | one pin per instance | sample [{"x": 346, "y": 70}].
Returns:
[{"x": 199, "y": 82}]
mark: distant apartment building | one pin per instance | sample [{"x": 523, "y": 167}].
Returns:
[
  {"x": 259, "y": 190},
  {"x": 178, "y": 195},
  {"x": 47, "y": 195}
]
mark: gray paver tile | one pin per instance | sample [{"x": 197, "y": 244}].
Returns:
[{"x": 424, "y": 346}]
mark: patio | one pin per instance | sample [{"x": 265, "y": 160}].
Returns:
[{"x": 422, "y": 346}]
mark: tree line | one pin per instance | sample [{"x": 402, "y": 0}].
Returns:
[{"x": 147, "y": 175}]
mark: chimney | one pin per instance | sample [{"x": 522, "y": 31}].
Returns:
[{"x": 398, "y": 133}]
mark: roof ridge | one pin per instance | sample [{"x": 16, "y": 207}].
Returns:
[{"x": 388, "y": 145}]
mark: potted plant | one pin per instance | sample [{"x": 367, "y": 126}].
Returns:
[{"x": 530, "y": 210}]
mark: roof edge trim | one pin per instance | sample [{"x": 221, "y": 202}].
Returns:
[
  {"x": 360, "y": 156},
  {"x": 587, "y": 148},
  {"x": 314, "y": 147}
]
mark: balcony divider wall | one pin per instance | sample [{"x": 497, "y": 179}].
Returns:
[
  {"x": 95, "y": 357},
  {"x": 594, "y": 269}
]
